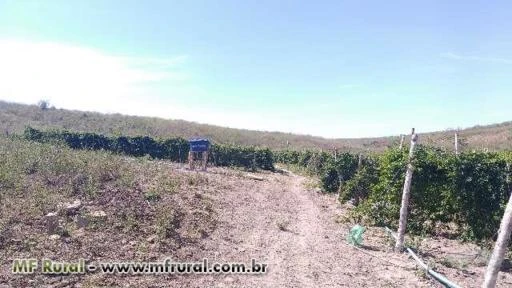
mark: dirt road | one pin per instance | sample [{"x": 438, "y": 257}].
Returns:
[{"x": 280, "y": 222}]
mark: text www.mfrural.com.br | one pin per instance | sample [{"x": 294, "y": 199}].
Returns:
[{"x": 167, "y": 266}]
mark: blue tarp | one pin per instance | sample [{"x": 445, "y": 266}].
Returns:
[{"x": 199, "y": 144}]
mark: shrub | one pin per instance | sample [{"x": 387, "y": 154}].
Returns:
[
  {"x": 43, "y": 104},
  {"x": 470, "y": 190},
  {"x": 338, "y": 171},
  {"x": 480, "y": 193},
  {"x": 174, "y": 149},
  {"x": 359, "y": 186}
]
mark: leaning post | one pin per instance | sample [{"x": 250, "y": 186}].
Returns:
[
  {"x": 406, "y": 195},
  {"x": 491, "y": 274}
]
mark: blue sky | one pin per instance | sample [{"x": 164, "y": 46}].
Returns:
[{"x": 327, "y": 68}]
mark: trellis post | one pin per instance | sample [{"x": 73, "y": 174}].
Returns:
[
  {"x": 456, "y": 143},
  {"x": 401, "y": 141},
  {"x": 406, "y": 193},
  {"x": 491, "y": 274}
]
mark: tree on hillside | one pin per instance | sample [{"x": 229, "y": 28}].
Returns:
[{"x": 44, "y": 104}]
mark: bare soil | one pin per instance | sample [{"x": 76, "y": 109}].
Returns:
[
  {"x": 280, "y": 222},
  {"x": 276, "y": 218},
  {"x": 284, "y": 222}
]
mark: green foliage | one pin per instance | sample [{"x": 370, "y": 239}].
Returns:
[
  {"x": 330, "y": 179},
  {"x": 359, "y": 186},
  {"x": 481, "y": 192},
  {"x": 383, "y": 202},
  {"x": 339, "y": 171},
  {"x": 287, "y": 156},
  {"x": 248, "y": 157},
  {"x": 470, "y": 190},
  {"x": 174, "y": 149},
  {"x": 332, "y": 172}
]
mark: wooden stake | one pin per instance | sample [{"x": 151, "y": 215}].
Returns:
[
  {"x": 406, "y": 195},
  {"x": 500, "y": 247},
  {"x": 507, "y": 178},
  {"x": 204, "y": 159},
  {"x": 191, "y": 160},
  {"x": 456, "y": 143}
]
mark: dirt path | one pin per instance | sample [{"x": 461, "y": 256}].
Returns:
[{"x": 280, "y": 222}]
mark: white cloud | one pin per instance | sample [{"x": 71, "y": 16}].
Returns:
[
  {"x": 81, "y": 78},
  {"x": 162, "y": 62},
  {"x": 76, "y": 77},
  {"x": 454, "y": 56}
]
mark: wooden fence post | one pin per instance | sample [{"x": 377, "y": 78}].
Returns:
[
  {"x": 406, "y": 195},
  {"x": 456, "y": 143},
  {"x": 507, "y": 177},
  {"x": 491, "y": 274}
]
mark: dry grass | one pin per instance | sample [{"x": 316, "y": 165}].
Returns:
[
  {"x": 14, "y": 118},
  {"x": 149, "y": 208}
]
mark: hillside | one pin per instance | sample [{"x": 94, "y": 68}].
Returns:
[{"x": 14, "y": 118}]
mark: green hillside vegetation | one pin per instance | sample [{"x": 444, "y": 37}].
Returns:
[{"x": 14, "y": 118}]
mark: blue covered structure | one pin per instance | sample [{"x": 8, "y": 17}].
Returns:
[
  {"x": 199, "y": 144},
  {"x": 198, "y": 147}
]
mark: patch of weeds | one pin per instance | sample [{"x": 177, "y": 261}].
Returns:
[
  {"x": 346, "y": 219},
  {"x": 31, "y": 166},
  {"x": 168, "y": 221},
  {"x": 414, "y": 242},
  {"x": 43, "y": 200},
  {"x": 64, "y": 231},
  {"x": 483, "y": 257},
  {"x": 312, "y": 185},
  {"x": 283, "y": 225},
  {"x": 453, "y": 263},
  {"x": 196, "y": 180},
  {"x": 152, "y": 196},
  {"x": 84, "y": 184},
  {"x": 421, "y": 273},
  {"x": 167, "y": 185},
  {"x": 4, "y": 234},
  {"x": 128, "y": 222},
  {"x": 432, "y": 265},
  {"x": 143, "y": 248}
]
